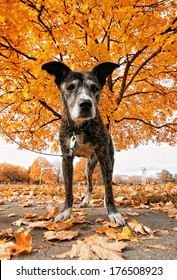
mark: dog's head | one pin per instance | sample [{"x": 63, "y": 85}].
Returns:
[{"x": 80, "y": 91}]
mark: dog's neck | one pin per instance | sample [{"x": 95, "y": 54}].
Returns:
[{"x": 75, "y": 127}]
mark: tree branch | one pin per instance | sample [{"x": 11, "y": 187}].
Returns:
[
  {"x": 10, "y": 47},
  {"x": 168, "y": 125},
  {"x": 129, "y": 62},
  {"x": 50, "y": 108}
]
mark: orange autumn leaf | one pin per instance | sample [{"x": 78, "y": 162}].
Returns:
[
  {"x": 112, "y": 233},
  {"x": 30, "y": 215},
  {"x": 52, "y": 211},
  {"x": 23, "y": 243}
]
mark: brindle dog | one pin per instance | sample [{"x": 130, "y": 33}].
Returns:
[{"x": 82, "y": 130}]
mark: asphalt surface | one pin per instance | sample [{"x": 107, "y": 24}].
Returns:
[{"x": 165, "y": 237}]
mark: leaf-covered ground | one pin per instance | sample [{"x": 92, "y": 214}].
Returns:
[{"x": 27, "y": 230}]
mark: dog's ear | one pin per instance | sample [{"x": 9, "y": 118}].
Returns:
[
  {"x": 57, "y": 69},
  {"x": 103, "y": 70}
]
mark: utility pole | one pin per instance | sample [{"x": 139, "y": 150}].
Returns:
[{"x": 144, "y": 176}]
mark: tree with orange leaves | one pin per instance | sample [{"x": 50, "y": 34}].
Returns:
[
  {"x": 41, "y": 171},
  {"x": 140, "y": 102},
  {"x": 80, "y": 172}
]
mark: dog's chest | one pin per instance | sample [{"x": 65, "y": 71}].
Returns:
[{"x": 82, "y": 148}]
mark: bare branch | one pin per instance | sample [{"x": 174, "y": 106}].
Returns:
[
  {"x": 167, "y": 125},
  {"x": 50, "y": 109}
]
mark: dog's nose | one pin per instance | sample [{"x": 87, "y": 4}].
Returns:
[{"x": 85, "y": 104}]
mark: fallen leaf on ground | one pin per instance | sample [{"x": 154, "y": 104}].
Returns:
[
  {"x": 158, "y": 246},
  {"x": 94, "y": 248},
  {"x": 172, "y": 213},
  {"x": 79, "y": 211},
  {"x": 5, "y": 251},
  {"x": 2, "y": 201},
  {"x": 42, "y": 225},
  {"x": 6, "y": 233},
  {"x": 23, "y": 242},
  {"x": 65, "y": 224},
  {"x": 112, "y": 233},
  {"x": 163, "y": 231},
  {"x": 26, "y": 203},
  {"x": 60, "y": 235},
  {"x": 30, "y": 215},
  {"x": 12, "y": 215},
  {"x": 174, "y": 229},
  {"x": 99, "y": 220},
  {"x": 52, "y": 211},
  {"x": 81, "y": 220},
  {"x": 20, "y": 222},
  {"x": 140, "y": 228},
  {"x": 110, "y": 224},
  {"x": 130, "y": 213}
]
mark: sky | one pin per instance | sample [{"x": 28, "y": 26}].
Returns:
[{"x": 151, "y": 157}]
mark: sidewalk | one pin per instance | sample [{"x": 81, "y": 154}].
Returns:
[{"x": 162, "y": 246}]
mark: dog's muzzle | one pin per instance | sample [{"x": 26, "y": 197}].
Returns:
[{"x": 85, "y": 107}]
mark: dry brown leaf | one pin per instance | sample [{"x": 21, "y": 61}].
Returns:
[
  {"x": 79, "y": 211},
  {"x": 130, "y": 213},
  {"x": 100, "y": 220},
  {"x": 42, "y": 218},
  {"x": 163, "y": 231},
  {"x": 52, "y": 211},
  {"x": 158, "y": 246},
  {"x": 81, "y": 220},
  {"x": 12, "y": 215},
  {"x": 95, "y": 248},
  {"x": 2, "y": 201},
  {"x": 104, "y": 230},
  {"x": 60, "y": 235},
  {"x": 42, "y": 225},
  {"x": 6, "y": 233},
  {"x": 20, "y": 222},
  {"x": 23, "y": 242},
  {"x": 110, "y": 224},
  {"x": 140, "y": 228},
  {"x": 30, "y": 215},
  {"x": 5, "y": 251},
  {"x": 65, "y": 224},
  {"x": 174, "y": 229},
  {"x": 172, "y": 212},
  {"x": 26, "y": 203}
]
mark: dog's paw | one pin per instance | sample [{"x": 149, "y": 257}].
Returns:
[
  {"x": 85, "y": 201},
  {"x": 117, "y": 218},
  {"x": 64, "y": 215}
]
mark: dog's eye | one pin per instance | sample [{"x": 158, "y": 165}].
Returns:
[
  {"x": 71, "y": 87},
  {"x": 94, "y": 88}
]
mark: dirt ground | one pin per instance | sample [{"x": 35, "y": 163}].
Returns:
[{"x": 143, "y": 249}]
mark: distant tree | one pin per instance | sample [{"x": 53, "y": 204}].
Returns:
[
  {"x": 80, "y": 172},
  {"x": 165, "y": 176},
  {"x": 117, "y": 179},
  {"x": 10, "y": 173},
  {"x": 134, "y": 180},
  {"x": 41, "y": 170}
]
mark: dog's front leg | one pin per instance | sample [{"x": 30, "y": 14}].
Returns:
[
  {"x": 107, "y": 170},
  {"x": 67, "y": 166}
]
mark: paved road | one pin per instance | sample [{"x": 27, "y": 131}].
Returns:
[{"x": 156, "y": 220}]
